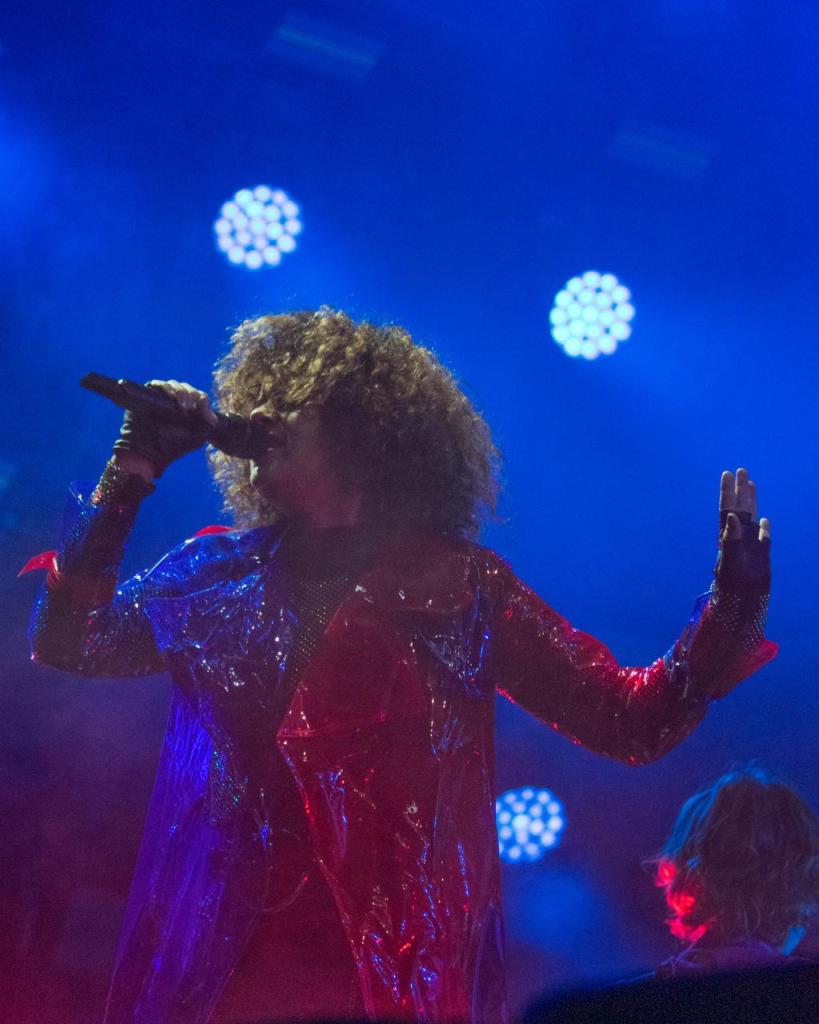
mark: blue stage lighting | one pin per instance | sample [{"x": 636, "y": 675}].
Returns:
[
  {"x": 530, "y": 822},
  {"x": 592, "y": 314},
  {"x": 257, "y": 226}
]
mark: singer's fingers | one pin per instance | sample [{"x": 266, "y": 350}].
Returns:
[
  {"x": 175, "y": 390},
  {"x": 733, "y": 527},
  {"x": 726, "y": 491},
  {"x": 194, "y": 400},
  {"x": 183, "y": 393},
  {"x": 187, "y": 397},
  {"x": 168, "y": 386},
  {"x": 205, "y": 409}
]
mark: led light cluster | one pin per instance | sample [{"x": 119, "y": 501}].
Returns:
[
  {"x": 257, "y": 226},
  {"x": 530, "y": 822},
  {"x": 592, "y": 314}
]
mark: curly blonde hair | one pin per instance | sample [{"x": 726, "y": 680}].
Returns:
[
  {"x": 403, "y": 431},
  {"x": 742, "y": 860}
]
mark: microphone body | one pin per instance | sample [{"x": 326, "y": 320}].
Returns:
[{"x": 233, "y": 435}]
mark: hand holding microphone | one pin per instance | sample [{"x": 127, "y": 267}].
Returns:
[
  {"x": 165, "y": 420},
  {"x": 163, "y": 440}
]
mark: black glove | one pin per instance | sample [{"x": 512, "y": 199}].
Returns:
[
  {"x": 743, "y": 563},
  {"x": 161, "y": 441}
]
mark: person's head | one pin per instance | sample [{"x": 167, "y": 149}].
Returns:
[
  {"x": 357, "y": 409},
  {"x": 742, "y": 861}
]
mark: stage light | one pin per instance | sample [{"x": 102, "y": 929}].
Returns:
[
  {"x": 591, "y": 315},
  {"x": 530, "y": 822},
  {"x": 257, "y": 226}
]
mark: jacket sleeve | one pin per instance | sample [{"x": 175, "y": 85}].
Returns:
[
  {"x": 82, "y": 621},
  {"x": 573, "y": 682}
]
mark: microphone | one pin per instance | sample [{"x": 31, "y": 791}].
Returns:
[{"x": 233, "y": 435}]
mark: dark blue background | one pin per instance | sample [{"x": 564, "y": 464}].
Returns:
[{"x": 452, "y": 179}]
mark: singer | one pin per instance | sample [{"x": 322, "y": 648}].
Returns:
[{"x": 321, "y": 840}]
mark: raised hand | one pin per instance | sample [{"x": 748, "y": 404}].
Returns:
[
  {"x": 744, "y": 543},
  {"x": 737, "y": 506}
]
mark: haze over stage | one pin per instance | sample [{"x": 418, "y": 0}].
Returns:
[{"x": 455, "y": 166}]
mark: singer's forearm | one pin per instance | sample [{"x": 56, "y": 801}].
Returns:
[
  {"x": 94, "y": 547},
  {"x": 82, "y": 621}
]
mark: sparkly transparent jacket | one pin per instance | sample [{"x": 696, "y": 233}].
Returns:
[{"x": 388, "y": 734}]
